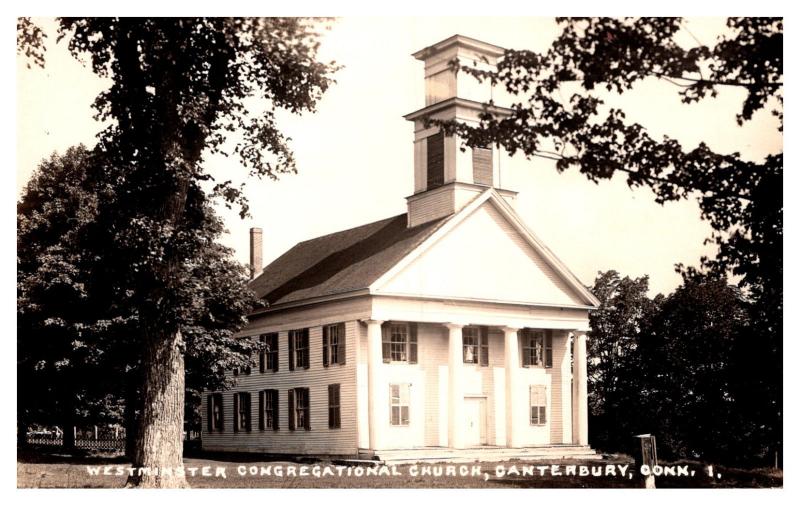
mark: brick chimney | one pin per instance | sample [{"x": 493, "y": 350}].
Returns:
[{"x": 256, "y": 256}]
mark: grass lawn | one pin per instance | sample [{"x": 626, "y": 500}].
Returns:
[{"x": 38, "y": 470}]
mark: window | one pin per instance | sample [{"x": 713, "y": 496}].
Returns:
[
  {"x": 476, "y": 344},
  {"x": 399, "y": 404},
  {"x": 538, "y": 405},
  {"x": 333, "y": 340},
  {"x": 435, "y": 159},
  {"x": 215, "y": 413},
  {"x": 299, "y": 410},
  {"x": 298, "y": 349},
  {"x": 399, "y": 342},
  {"x": 482, "y": 165},
  {"x": 537, "y": 348},
  {"x": 241, "y": 412},
  {"x": 268, "y": 406},
  {"x": 268, "y": 359},
  {"x": 334, "y": 409}
]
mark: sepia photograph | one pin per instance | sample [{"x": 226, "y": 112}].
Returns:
[{"x": 384, "y": 252}]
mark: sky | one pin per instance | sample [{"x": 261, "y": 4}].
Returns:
[{"x": 355, "y": 158}]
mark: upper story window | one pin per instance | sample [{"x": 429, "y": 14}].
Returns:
[
  {"x": 241, "y": 412},
  {"x": 537, "y": 348},
  {"x": 400, "y": 399},
  {"x": 268, "y": 359},
  {"x": 215, "y": 414},
  {"x": 298, "y": 349},
  {"x": 299, "y": 409},
  {"x": 476, "y": 344},
  {"x": 538, "y": 405},
  {"x": 435, "y": 160},
  {"x": 333, "y": 344},
  {"x": 399, "y": 342}
]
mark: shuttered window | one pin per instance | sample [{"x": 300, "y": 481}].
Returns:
[
  {"x": 482, "y": 165},
  {"x": 334, "y": 407},
  {"x": 269, "y": 409},
  {"x": 241, "y": 412},
  {"x": 333, "y": 344},
  {"x": 538, "y": 405},
  {"x": 268, "y": 358},
  {"x": 214, "y": 413},
  {"x": 299, "y": 409},
  {"x": 298, "y": 349},
  {"x": 400, "y": 399},
  {"x": 537, "y": 348},
  {"x": 471, "y": 338},
  {"x": 399, "y": 342},
  {"x": 435, "y": 160}
]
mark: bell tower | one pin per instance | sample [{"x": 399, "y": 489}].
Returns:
[{"x": 445, "y": 177}]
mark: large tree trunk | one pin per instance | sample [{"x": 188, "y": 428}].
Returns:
[{"x": 158, "y": 453}]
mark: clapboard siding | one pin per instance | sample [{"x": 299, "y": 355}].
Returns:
[
  {"x": 320, "y": 439},
  {"x": 434, "y": 205}
]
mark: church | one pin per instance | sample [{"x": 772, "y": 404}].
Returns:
[{"x": 447, "y": 332}]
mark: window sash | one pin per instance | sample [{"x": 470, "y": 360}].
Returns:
[
  {"x": 301, "y": 408},
  {"x": 471, "y": 338},
  {"x": 538, "y": 405},
  {"x": 398, "y": 343},
  {"x": 400, "y": 398}
]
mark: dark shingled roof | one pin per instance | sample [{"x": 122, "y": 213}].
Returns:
[{"x": 340, "y": 262}]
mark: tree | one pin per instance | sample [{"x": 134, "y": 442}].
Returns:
[
  {"x": 178, "y": 88},
  {"x": 68, "y": 333},
  {"x": 614, "y": 368},
  {"x": 741, "y": 199}
]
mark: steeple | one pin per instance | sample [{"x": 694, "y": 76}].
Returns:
[{"x": 445, "y": 178}]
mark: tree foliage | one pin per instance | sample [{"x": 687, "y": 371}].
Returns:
[
  {"x": 182, "y": 89},
  {"x": 679, "y": 367}
]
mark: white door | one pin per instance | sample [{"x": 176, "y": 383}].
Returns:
[{"x": 475, "y": 418}]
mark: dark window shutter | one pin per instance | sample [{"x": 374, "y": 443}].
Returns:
[
  {"x": 235, "y": 411},
  {"x": 435, "y": 158},
  {"x": 276, "y": 354},
  {"x": 291, "y": 350},
  {"x": 484, "y": 346},
  {"x": 210, "y": 412},
  {"x": 262, "y": 356},
  {"x": 218, "y": 400},
  {"x": 526, "y": 354},
  {"x": 482, "y": 165},
  {"x": 290, "y": 404},
  {"x": 325, "y": 340},
  {"x": 248, "y": 411},
  {"x": 412, "y": 342},
  {"x": 308, "y": 409},
  {"x": 307, "y": 360},
  {"x": 386, "y": 330},
  {"x": 262, "y": 405},
  {"x": 330, "y": 406},
  {"x": 342, "y": 344},
  {"x": 275, "y": 409},
  {"x": 548, "y": 349}
]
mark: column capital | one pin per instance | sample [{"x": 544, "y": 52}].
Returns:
[
  {"x": 372, "y": 321},
  {"x": 510, "y": 329},
  {"x": 454, "y": 326}
]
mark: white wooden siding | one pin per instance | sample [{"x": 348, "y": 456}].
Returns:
[{"x": 320, "y": 439}]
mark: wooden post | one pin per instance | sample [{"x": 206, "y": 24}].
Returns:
[{"x": 95, "y": 432}]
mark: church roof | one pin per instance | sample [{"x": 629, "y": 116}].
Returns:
[{"x": 340, "y": 262}]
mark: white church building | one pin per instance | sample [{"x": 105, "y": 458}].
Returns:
[{"x": 450, "y": 329}]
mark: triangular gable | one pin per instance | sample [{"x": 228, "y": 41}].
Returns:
[{"x": 486, "y": 253}]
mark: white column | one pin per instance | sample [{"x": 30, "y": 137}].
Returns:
[
  {"x": 378, "y": 403},
  {"x": 455, "y": 363},
  {"x": 566, "y": 386},
  {"x": 512, "y": 368},
  {"x": 580, "y": 406}
]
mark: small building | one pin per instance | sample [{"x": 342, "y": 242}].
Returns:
[{"x": 451, "y": 327}]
